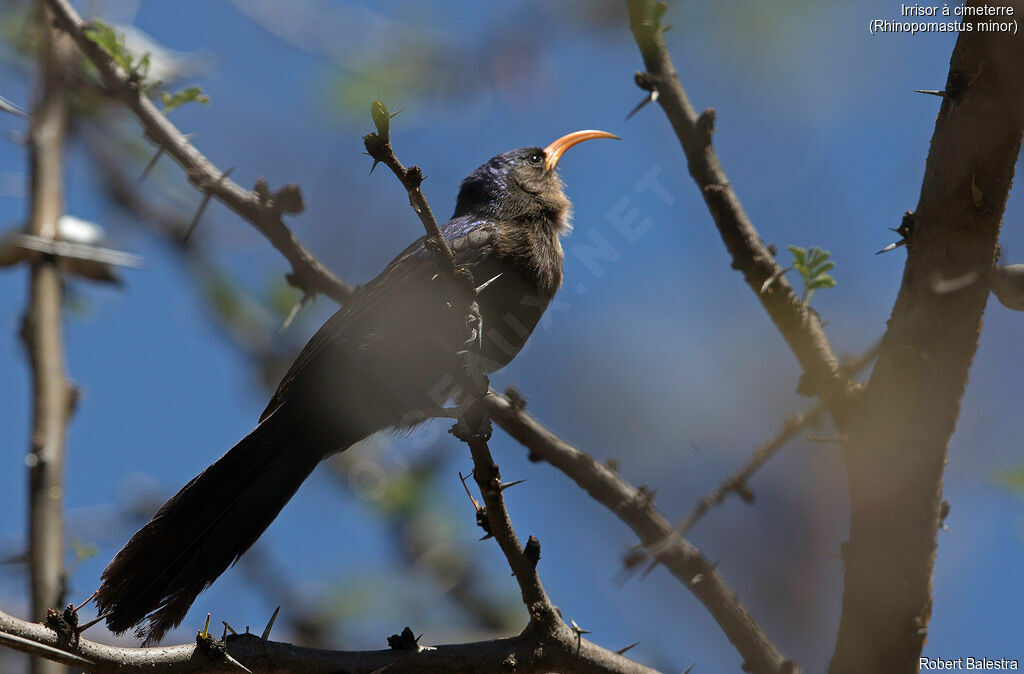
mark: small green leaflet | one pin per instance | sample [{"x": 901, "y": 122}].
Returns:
[
  {"x": 813, "y": 264},
  {"x": 112, "y": 42},
  {"x": 186, "y": 95},
  {"x": 106, "y": 37}
]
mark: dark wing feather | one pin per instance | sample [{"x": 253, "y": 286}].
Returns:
[{"x": 471, "y": 241}]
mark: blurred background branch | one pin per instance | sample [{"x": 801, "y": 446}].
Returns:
[
  {"x": 53, "y": 396},
  {"x": 261, "y": 208}
]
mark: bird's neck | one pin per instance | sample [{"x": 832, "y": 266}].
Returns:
[{"x": 532, "y": 245}]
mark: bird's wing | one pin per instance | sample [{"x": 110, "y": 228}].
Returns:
[{"x": 471, "y": 241}]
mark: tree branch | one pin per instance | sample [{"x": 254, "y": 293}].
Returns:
[
  {"x": 53, "y": 396},
  {"x": 260, "y": 207},
  {"x": 636, "y": 508},
  {"x": 799, "y": 326},
  {"x": 523, "y": 653},
  {"x": 897, "y": 446}
]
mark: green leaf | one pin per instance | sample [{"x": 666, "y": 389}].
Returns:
[
  {"x": 110, "y": 41},
  {"x": 142, "y": 67},
  {"x": 813, "y": 264},
  {"x": 186, "y": 95},
  {"x": 823, "y": 281}
]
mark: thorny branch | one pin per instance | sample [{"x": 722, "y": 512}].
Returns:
[
  {"x": 635, "y": 507},
  {"x": 53, "y": 396},
  {"x": 800, "y": 326},
  {"x": 259, "y": 206},
  {"x": 523, "y": 653}
]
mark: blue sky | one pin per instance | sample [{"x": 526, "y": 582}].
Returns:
[{"x": 660, "y": 357}]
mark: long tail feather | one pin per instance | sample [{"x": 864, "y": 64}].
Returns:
[{"x": 204, "y": 528}]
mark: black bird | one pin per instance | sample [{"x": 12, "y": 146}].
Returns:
[{"x": 387, "y": 359}]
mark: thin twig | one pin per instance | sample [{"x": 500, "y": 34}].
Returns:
[
  {"x": 152, "y": 162},
  {"x": 488, "y": 479},
  {"x": 738, "y": 481},
  {"x": 203, "y": 203}
]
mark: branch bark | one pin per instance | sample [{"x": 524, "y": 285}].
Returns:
[
  {"x": 799, "y": 326},
  {"x": 897, "y": 446},
  {"x": 261, "y": 208},
  {"x": 524, "y": 653},
  {"x": 52, "y": 394}
]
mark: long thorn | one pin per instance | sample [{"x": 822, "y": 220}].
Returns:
[
  {"x": 207, "y": 195},
  {"x": 270, "y": 625},
  {"x": 296, "y": 308},
  {"x": 773, "y": 278},
  {"x": 236, "y": 663},
  {"x": 649, "y": 98},
  {"x": 11, "y": 108},
  {"x": 82, "y": 628},
  {"x": 91, "y": 597},
  {"x": 468, "y": 493},
  {"x": 151, "y": 164},
  {"x": 892, "y": 246}
]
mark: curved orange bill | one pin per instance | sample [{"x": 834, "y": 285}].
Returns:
[{"x": 555, "y": 151}]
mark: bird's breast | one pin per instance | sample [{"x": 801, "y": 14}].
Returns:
[{"x": 511, "y": 306}]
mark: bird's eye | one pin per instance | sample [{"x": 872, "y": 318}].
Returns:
[{"x": 537, "y": 158}]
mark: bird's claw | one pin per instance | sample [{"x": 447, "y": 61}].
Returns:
[{"x": 475, "y": 326}]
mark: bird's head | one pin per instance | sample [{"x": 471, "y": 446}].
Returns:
[{"x": 522, "y": 184}]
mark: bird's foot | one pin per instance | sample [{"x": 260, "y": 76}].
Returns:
[{"x": 474, "y": 326}]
